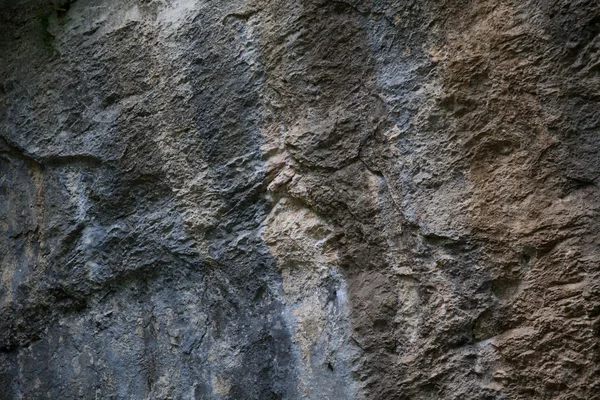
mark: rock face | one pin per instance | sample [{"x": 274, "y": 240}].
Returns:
[{"x": 312, "y": 199}]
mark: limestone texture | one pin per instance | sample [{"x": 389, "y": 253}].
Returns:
[{"x": 308, "y": 199}]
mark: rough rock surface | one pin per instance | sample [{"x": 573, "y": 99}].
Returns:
[{"x": 274, "y": 199}]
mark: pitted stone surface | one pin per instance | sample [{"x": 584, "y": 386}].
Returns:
[{"x": 268, "y": 199}]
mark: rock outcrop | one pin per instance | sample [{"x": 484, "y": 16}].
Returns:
[{"x": 312, "y": 199}]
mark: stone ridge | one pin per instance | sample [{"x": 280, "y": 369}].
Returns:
[{"x": 319, "y": 199}]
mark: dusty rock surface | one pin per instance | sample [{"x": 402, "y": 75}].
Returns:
[{"x": 312, "y": 199}]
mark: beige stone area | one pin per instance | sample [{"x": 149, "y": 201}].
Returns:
[{"x": 300, "y": 241}]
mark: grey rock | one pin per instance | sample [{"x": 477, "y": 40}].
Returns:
[{"x": 264, "y": 199}]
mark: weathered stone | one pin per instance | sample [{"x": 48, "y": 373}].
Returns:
[{"x": 265, "y": 199}]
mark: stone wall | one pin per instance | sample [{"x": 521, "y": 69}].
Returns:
[{"x": 311, "y": 199}]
